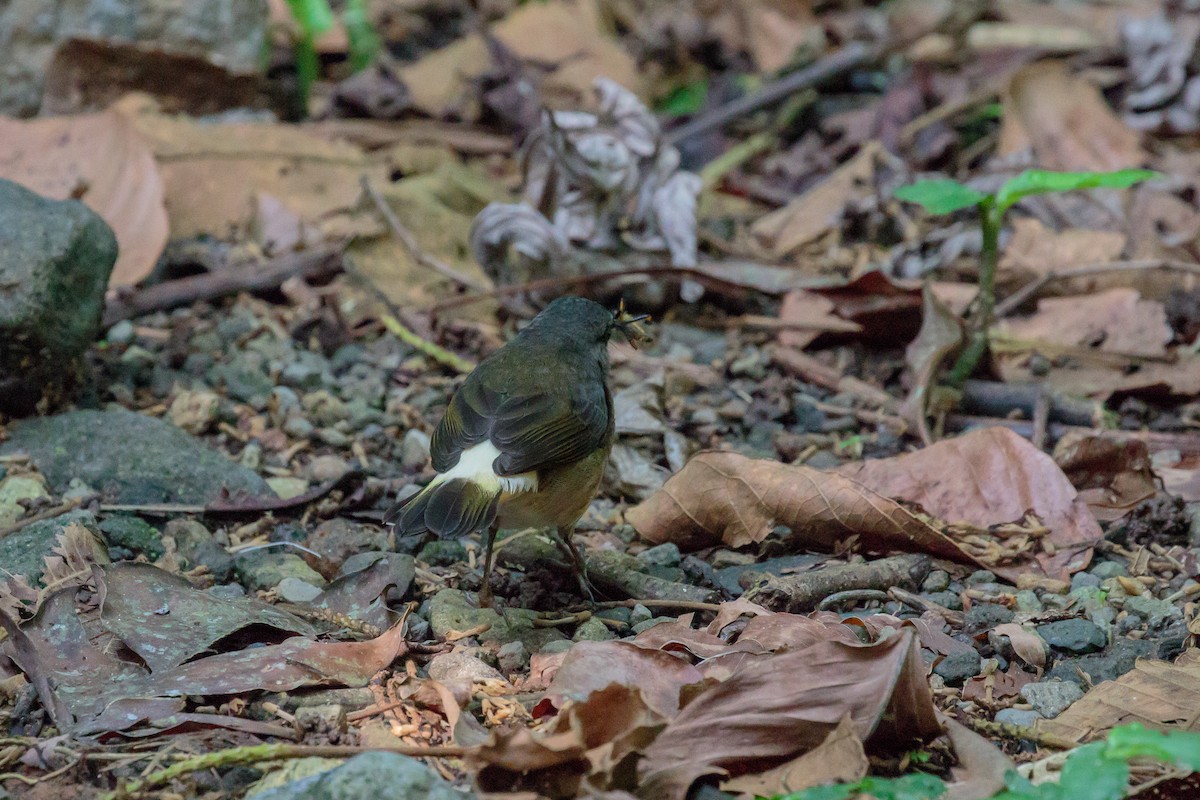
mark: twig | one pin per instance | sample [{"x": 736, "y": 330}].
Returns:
[
  {"x": 1018, "y": 298},
  {"x": 995, "y": 399},
  {"x": 254, "y": 754},
  {"x": 436, "y": 352},
  {"x": 409, "y": 242},
  {"x": 562, "y": 622},
  {"x": 805, "y": 367},
  {"x": 852, "y": 55},
  {"x": 1018, "y": 732},
  {"x": 49, "y": 513},
  {"x": 853, "y": 596},
  {"x": 210, "y": 285},
  {"x": 921, "y": 604},
  {"x": 682, "y": 605}
]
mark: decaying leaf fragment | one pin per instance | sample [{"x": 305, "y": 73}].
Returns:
[
  {"x": 600, "y": 181},
  {"x": 987, "y": 497}
]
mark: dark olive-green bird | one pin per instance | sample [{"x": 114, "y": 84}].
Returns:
[{"x": 524, "y": 441}]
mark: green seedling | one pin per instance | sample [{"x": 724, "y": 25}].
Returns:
[
  {"x": 1096, "y": 771},
  {"x": 315, "y": 18},
  {"x": 947, "y": 196}
]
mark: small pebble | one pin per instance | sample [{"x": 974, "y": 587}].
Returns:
[
  {"x": 1073, "y": 636},
  {"x": 121, "y": 334},
  {"x": 958, "y": 667},
  {"x": 650, "y": 623},
  {"x": 512, "y": 657},
  {"x": 938, "y": 580},
  {"x": 1108, "y": 569},
  {"x": 1022, "y": 717},
  {"x": 640, "y": 614},
  {"x": 1082, "y": 579},
  {"x": 294, "y": 590},
  {"x": 1051, "y": 698},
  {"x": 981, "y": 576},
  {"x": 663, "y": 555}
]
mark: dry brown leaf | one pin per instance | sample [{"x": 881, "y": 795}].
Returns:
[
  {"x": 1112, "y": 476},
  {"x": 810, "y": 314},
  {"x": 987, "y": 478},
  {"x": 981, "y": 767},
  {"x": 1157, "y": 694},
  {"x": 1065, "y": 122},
  {"x": 102, "y": 160},
  {"x": 567, "y": 33},
  {"x": 213, "y": 174},
  {"x": 983, "y": 480},
  {"x": 1026, "y": 644},
  {"x": 1101, "y": 380},
  {"x": 779, "y": 706},
  {"x": 838, "y": 759},
  {"x": 997, "y": 686},
  {"x": 818, "y": 210},
  {"x": 940, "y": 335},
  {"x": 771, "y": 31},
  {"x": 1038, "y": 250},
  {"x": 71, "y": 559},
  {"x": 1113, "y": 321},
  {"x": 1103, "y": 22},
  {"x": 592, "y": 666}
]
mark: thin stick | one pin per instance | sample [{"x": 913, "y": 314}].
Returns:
[
  {"x": 852, "y": 55},
  {"x": 436, "y": 352},
  {"x": 1017, "y": 298},
  {"x": 254, "y": 754},
  {"x": 49, "y": 513},
  {"x": 1017, "y": 732},
  {"x": 684, "y": 605},
  {"x": 211, "y": 285},
  {"x": 409, "y": 242}
]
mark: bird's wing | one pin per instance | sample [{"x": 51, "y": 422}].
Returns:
[{"x": 531, "y": 431}]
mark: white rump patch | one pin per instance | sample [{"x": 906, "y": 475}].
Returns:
[{"x": 475, "y": 464}]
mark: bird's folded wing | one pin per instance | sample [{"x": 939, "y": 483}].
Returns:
[{"x": 531, "y": 431}]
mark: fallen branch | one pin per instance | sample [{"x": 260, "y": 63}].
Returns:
[
  {"x": 847, "y": 58},
  {"x": 803, "y": 366},
  {"x": 49, "y": 513},
  {"x": 1018, "y": 298},
  {"x": 255, "y": 754},
  {"x": 409, "y": 242},
  {"x": 995, "y": 399},
  {"x": 618, "y": 572},
  {"x": 319, "y": 261},
  {"x": 804, "y": 591}
]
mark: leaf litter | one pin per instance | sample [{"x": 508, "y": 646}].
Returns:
[{"x": 762, "y": 442}]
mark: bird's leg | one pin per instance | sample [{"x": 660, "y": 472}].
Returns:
[
  {"x": 567, "y": 545},
  {"x": 485, "y": 591}
]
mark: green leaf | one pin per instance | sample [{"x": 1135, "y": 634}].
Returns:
[
  {"x": 686, "y": 99},
  {"x": 1041, "y": 181},
  {"x": 1089, "y": 773},
  {"x": 364, "y": 41},
  {"x": 1178, "y": 747},
  {"x": 917, "y": 786},
  {"x": 315, "y": 16},
  {"x": 941, "y": 196}
]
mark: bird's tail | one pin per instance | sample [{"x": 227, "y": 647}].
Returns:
[{"x": 448, "y": 508}]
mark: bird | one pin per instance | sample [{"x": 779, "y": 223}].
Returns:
[{"x": 524, "y": 440}]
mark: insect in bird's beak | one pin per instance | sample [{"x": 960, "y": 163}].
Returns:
[{"x": 628, "y": 325}]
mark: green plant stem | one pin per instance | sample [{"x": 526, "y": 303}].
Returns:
[
  {"x": 989, "y": 256},
  {"x": 438, "y": 354},
  {"x": 254, "y": 754}
]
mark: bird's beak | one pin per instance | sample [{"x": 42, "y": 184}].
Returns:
[{"x": 635, "y": 334}]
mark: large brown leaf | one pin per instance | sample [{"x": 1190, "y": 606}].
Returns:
[
  {"x": 980, "y": 480},
  {"x": 102, "y": 160},
  {"x": 987, "y": 478},
  {"x": 779, "y": 706}
]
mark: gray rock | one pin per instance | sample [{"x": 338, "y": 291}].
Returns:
[
  {"x": 1108, "y": 569},
  {"x": 1081, "y": 579},
  {"x": 442, "y": 553},
  {"x": 951, "y": 600},
  {"x": 1051, "y": 698},
  {"x": 414, "y": 450},
  {"x": 938, "y": 580},
  {"x": 1028, "y": 602},
  {"x": 1107, "y": 666},
  {"x": 560, "y": 646},
  {"x": 129, "y": 458},
  {"x": 121, "y": 334},
  {"x": 650, "y": 623},
  {"x": 370, "y": 775},
  {"x": 308, "y": 372},
  {"x": 55, "y": 260},
  {"x": 1073, "y": 636},
  {"x": 197, "y": 546},
  {"x": 133, "y": 534},
  {"x": 663, "y": 555},
  {"x": 23, "y": 552},
  {"x": 298, "y": 427},
  {"x": 512, "y": 657},
  {"x": 1155, "y": 612},
  {"x": 451, "y": 610},
  {"x": 640, "y": 614},
  {"x": 323, "y": 408},
  {"x": 228, "y": 34},
  {"x": 739, "y": 577},
  {"x": 295, "y": 590},
  {"x": 593, "y": 630},
  {"x": 958, "y": 667},
  {"x": 461, "y": 667},
  {"x": 266, "y": 569},
  {"x": 985, "y": 616},
  {"x": 1022, "y": 717},
  {"x": 245, "y": 378},
  {"x": 981, "y": 576}
]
